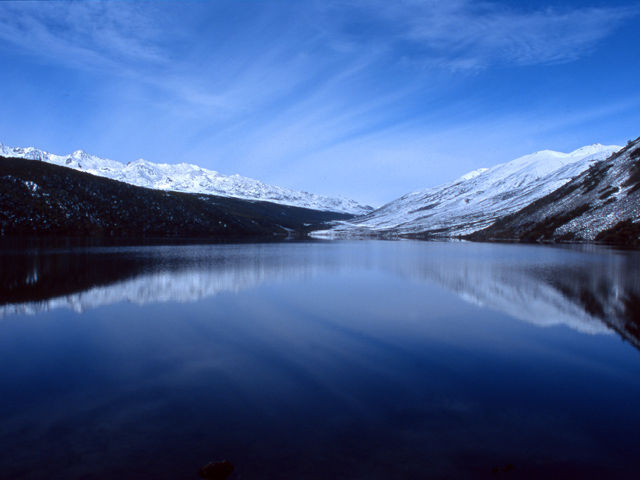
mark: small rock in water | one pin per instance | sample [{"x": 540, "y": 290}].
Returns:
[
  {"x": 216, "y": 470},
  {"x": 508, "y": 468}
]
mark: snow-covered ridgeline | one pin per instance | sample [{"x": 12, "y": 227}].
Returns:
[
  {"x": 475, "y": 200},
  {"x": 184, "y": 177},
  {"x": 608, "y": 195}
]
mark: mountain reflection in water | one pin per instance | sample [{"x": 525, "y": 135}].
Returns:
[
  {"x": 589, "y": 289},
  {"x": 317, "y": 361}
]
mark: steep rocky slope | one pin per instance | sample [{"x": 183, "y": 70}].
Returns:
[{"x": 602, "y": 204}]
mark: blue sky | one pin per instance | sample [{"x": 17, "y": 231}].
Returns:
[{"x": 365, "y": 99}]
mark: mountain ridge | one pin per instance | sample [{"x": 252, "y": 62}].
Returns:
[
  {"x": 187, "y": 178},
  {"x": 476, "y": 200},
  {"x": 602, "y": 204},
  {"x": 590, "y": 194},
  {"x": 43, "y": 199}
]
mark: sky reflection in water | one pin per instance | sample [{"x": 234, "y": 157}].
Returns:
[{"x": 313, "y": 360}]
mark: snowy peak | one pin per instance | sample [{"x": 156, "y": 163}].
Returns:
[
  {"x": 601, "y": 204},
  {"x": 545, "y": 162},
  {"x": 472, "y": 174},
  {"x": 589, "y": 150},
  {"x": 477, "y": 199},
  {"x": 188, "y": 178},
  {"x": 80, "y": 155}
]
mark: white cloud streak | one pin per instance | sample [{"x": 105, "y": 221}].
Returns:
[
  {"x": 83, "y": 35},
  {"x": 453, "y": 34},
  {"x": 469, "y": 35}
]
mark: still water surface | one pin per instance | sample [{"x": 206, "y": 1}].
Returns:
[{"x": 345, "y": 360}]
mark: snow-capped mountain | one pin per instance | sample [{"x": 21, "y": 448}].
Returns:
[
  {"x": 184, "y": 177},
  {"x": 601, "y": 204},
  {"x": 475, "y": 200}
]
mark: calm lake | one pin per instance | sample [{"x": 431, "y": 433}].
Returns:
[{"x": 319, "y": 360}]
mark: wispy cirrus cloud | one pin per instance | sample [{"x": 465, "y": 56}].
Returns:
[
  {"x": 466, "y": 34},
  {"x": 82, "y": 34},
  {"x": 247, "y": 68},
  {"x": 156, "y": 46},
  {"x": 291, "y": 91}
]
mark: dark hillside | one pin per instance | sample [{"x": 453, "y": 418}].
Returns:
[{"x": 37, "y": 198}]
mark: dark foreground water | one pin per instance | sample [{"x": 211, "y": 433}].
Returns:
[{"x": 363, "y": 360}]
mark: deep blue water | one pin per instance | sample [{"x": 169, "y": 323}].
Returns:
[{"x": 345, "y": 360}]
